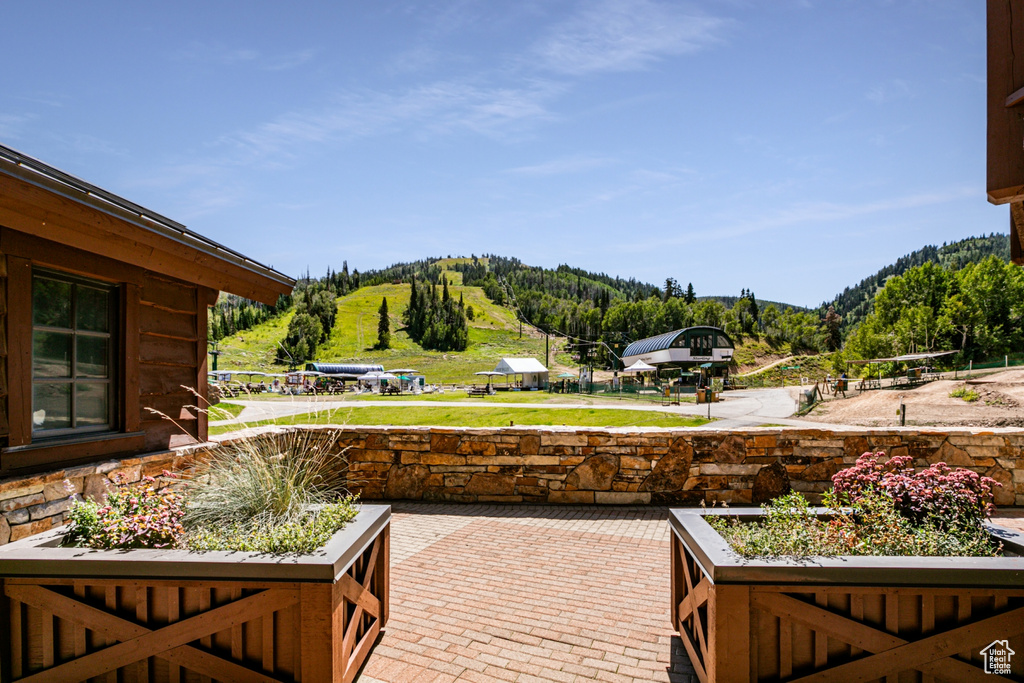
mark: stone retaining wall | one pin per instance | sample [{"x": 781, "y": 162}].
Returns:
[
  {"x": 35, "y": 503},
  {"x": 637, "y": 466},
  {"x": 558, "y": 465}
]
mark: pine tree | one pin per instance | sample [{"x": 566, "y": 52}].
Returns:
[
  {"x": 383, "y": 326},
  {"x": 691, "y": 297}
]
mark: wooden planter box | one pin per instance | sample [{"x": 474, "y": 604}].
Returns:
[
  {"x": 74, "y": 614},
  {"x": 842, "y": 618}
]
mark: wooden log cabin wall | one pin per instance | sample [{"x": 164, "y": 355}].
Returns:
[
  {"x": 103, "y": 317},
  {"x": 1006, "y": 116}
]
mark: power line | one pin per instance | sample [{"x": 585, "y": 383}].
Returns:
[{"x": 512, "y": 296}]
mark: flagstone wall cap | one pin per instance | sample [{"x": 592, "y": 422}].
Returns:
[
  {"x": 723, "y": 565},
  {"x": 42, "y": 556}
]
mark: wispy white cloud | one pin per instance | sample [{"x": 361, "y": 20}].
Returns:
[
  {"x": 221, "y": 55},
  {"x": 11, "y": 125},
  {"x": 436, "y": 108},
  {"x": 215, "y": 54},
  {"x": 290, "y": 60},
  {"x": 894, "y": 89},
  {"x": 626, "y": 35},
  {"x": 819, "y": 213},
  {"x": 567, "y": 165},
  {"x": 89, "y": 145}
]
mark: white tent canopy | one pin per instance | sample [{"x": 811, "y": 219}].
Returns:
[
  {"x": 534, "y": 374},
  {"x": 640, "y": 366},
  {"x": 520, "y": 366},
  {"x": 376, "y": 376}
]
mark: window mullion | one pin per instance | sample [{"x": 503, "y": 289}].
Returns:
[{"x": 74, "y": 355}]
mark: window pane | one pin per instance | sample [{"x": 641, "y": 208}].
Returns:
[
  {"x": 92, "y": 359},
  {"x": 91, "y": 404},
  {"x": 51, "y": 302},
  {"x": 93, "y": 309},
  {"x": 51, "y": 406},
  {"x": 51, "y": 354}
]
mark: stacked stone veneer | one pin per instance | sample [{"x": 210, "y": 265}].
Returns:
[
  {"x": 567, "y": 466},
  {"x": 621, "y": 466},
  {"x": 35, "y": 503}
]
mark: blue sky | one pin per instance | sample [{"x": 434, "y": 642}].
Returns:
[{"x": 791, "y": 147}]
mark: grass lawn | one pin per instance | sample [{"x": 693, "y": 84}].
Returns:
[
  {"x": 225, "y": 411},
  {"x": 455, "y": 416}
]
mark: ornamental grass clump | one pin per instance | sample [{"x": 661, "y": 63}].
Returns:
[
  {"x": 876, "y": 508},
  {"x": 271, "y": 493},
  {"x": 268, "y": 478}
]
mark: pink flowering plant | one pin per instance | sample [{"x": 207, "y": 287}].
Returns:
[
  {"x": 143, "y": 514},
  {"x": 875, "y": 507},
  {"x": 937, "y": 493}
]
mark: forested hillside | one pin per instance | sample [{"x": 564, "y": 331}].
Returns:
[
  {"x": 855, "y": 303},
  {"x": 977, "y": 310},
  {"x": 960, "y": 296}
]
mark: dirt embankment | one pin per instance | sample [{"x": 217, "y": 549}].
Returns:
[{"x": 1000, "y": 403}]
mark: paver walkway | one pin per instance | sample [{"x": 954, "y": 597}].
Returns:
[
  {"x": 532, "y": 593},
  {"x": 528, "y": 593}
]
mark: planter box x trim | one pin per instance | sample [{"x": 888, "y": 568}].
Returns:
[
  {"x": 138, "y": 642},
  {"x": 932, "y": 655},
  {"x": 813, "y": 620}
]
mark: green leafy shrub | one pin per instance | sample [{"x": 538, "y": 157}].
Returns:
[
  {"x": 301, "y": 536},
  {"x": 968, "y": 395}
]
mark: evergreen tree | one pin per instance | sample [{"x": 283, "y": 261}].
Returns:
[
  {"x": 383, "y": 326},
  {"x": 691, "y": 297}
]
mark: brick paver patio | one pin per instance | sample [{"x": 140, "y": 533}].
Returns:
[
  {"x": 523, "y": 593},
  {"x": 532, "y": 593}
]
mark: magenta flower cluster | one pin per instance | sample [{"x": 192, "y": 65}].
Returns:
[
  {"x": 140, "y": 515},
  {"x": 939, "y": 493}
]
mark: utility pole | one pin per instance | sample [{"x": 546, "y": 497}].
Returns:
[{"x": 547, "y": 355}]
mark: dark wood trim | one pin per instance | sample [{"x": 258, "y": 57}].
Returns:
[
  {"x": 36, "y": 556},
  {"x": 19, "y": 350},
  {"x": 130, "y": 359},
  {"x": 212, "y": 296},
  {"x": 44, "y": 252},
  {"x": 1017, "y": 232},
  {"x": 202, "y": 381},
  {"x": 67, "y": 452},
  {"x": 39, "y": 211},
  {"x": 1005, "y": 126}
]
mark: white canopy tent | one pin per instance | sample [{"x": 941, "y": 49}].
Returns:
[
  {"x": 375, "y": 377},
  {"x": 640, "y": 366},
  {"x": 534, "y": 374}
]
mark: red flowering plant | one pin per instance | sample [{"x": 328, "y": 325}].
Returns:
[
  {"x": 938, "y": 494},
  {"x": 140, "y": 515}
]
